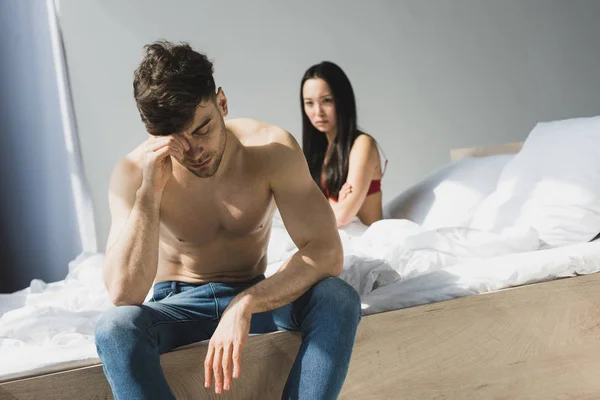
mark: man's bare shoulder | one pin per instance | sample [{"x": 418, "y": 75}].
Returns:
[
  {"x": 127, "y": 172},
  {"x": 252, "y": 132},
  {"x": 271, "y": 146}
]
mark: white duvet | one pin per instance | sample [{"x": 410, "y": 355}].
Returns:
[
  {"x": 398, "y": 250},
  {"x": 49, "y": 326},
  {"x": 392, "y": 264}
]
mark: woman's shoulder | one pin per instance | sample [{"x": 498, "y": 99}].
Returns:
[
  {"x": 364, "y": 144},
  {"x": 365, "y": 151}
]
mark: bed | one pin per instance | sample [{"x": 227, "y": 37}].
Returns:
[
  {"x": 502, "y": 324},
  {"x": 537, "y": 341}
]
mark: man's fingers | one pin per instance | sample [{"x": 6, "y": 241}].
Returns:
[
  {"x": 180, "y": 143},
  {"x": 236, "y": 358},
  {"x": 162, "y": 153},
  {"x": 218, "y": 369},
  {"x": 227, "y": 367},
  {"x": 176, "y": 152},
  {"x": 156, "y": 144},
  {"x": 208, "y": 362},
  {"x": 177, "y": 145},
  {"x": 184, "y": 143}
]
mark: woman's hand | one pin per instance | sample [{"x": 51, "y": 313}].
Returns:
[{"x": 345, "y": 191}]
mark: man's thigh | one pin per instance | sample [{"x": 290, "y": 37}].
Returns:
[
  {"x": 281, "y": 319},
  {"x": 181, "y": 314},
  {"x": 270, "y": 321},
  {"x": 330, "y": 299}
]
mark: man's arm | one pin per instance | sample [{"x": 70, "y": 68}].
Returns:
[
  {"x": 131, "y": 257},
  {"x": 311, "y": 225},
  {"x": 135, "y": 195}
]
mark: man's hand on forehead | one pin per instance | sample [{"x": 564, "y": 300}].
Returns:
[
  {"x": 182, "y": 141},
  {"x": 174, "y": 141}
]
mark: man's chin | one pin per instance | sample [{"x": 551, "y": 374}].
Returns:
[{"x": 203, "y": 174}]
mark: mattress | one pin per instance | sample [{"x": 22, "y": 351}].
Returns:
[{"x": 392, "y": 264}]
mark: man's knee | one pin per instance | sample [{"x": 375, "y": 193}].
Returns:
[
  {"x": 339, "y": 296},
  {"x": 117, "y": 323}
]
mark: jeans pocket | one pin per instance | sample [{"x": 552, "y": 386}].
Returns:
[{"x": 161, "y": 295}]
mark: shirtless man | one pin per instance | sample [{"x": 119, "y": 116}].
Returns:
[{"x": 191, "y": 211}]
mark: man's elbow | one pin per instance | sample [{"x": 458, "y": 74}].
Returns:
[
  {"x": 121, "y": 291},
  {"x": 120, "y": 296},
  {"x": 123, "y": 300}
]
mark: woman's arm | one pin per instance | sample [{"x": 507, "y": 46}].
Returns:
[{"x": 361, "y": 168}]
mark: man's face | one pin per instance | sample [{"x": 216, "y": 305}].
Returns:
[{"x": 207, "y": 137}]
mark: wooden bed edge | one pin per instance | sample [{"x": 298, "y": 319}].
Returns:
[
  {"x": 483, "y": 151},
  {"x": 531, "y": 342}
]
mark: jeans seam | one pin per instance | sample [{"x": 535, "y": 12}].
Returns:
[
  {"x": 173, "y": 322},
  {"x": 163, "y": 298},
  {"x": 212, "y": 289}
]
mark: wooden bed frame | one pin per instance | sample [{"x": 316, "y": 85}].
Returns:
[
  {"x": 483, "y": 151},
  {"x": 540, "y": 341}
]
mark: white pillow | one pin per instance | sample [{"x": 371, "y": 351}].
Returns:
[
  {"x": 449, "y": 196},
  {"x": 552, "y": 185}
]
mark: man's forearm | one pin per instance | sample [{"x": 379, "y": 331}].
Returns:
[
  {"x": 306, "y": 267},
  {"x": 131, "y": 262}
]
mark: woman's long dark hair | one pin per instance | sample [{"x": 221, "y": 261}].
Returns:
[{"x": 314, "y": 142}]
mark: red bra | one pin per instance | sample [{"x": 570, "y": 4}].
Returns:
[{"x": 375, "y": 186}]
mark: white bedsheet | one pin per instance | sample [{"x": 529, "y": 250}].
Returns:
[
  {"x": 48, "y": 327},
  {"x": 397, "y": 250},
  {"x": 393, "y": 264},
  {"x": 483, "y": 276},
  {"x": 397, "y": 264}
]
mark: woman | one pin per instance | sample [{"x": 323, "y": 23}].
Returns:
[{"x": 343, "y": 161}]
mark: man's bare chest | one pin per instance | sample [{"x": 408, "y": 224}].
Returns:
[{"x": 234, "y": 210}]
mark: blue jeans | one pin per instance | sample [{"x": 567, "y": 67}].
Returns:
[{"x": 130, "y": 339}]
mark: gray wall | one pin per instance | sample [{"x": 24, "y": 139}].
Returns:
[
  {"x": 428, "y": 75},
  {"x": 38, "y": 227}
]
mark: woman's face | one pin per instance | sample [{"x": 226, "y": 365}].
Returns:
[{"x": 319, "y": 105}]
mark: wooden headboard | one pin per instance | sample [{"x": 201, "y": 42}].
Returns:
[{"x": 482, "y": 151}]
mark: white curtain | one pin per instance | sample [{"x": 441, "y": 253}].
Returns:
[
  {"x": 81, "y": 194},
  {"x": 46, "y": 216}
]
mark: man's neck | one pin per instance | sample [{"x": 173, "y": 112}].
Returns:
[{"x": 232, "y": 145}]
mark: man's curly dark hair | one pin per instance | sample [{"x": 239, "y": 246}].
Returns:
[{"x": 170, "y": 82}]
